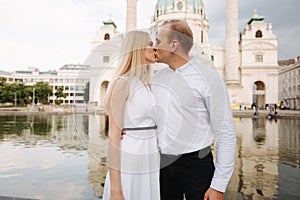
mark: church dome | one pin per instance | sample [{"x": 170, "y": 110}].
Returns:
[
  {"x": 184, "y": 5},
  {"x": 191, "y": 11}
]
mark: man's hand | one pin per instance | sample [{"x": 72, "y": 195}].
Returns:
[{"x": 212, "y": 194}]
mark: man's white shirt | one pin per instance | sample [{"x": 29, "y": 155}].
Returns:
[{"x": 193, "y": 110}]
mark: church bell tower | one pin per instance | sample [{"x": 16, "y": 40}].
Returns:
[
  {"x": 131, "y": 15},
  {"x": 232, "y": 58}
]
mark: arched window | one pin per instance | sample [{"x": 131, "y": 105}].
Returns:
[
  {"x": 259, "y": 85},
  {"x": 103, "y": 90},
  {"x": 179, "y": 5},
  {"x": 258, "y": 34},
  {"x": 106, "y": 36}
]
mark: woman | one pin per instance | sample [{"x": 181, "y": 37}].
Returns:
[{"x": 133, "y": 172}]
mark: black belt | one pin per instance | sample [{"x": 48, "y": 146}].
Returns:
[
  {"x": 200, "y": 153},
  {"x": 139, "y": 128}
]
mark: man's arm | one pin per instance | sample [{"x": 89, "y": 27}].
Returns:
[{"x": 222, "y": 123}]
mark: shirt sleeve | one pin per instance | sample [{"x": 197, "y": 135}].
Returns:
[{"x": 220, "y": 113}]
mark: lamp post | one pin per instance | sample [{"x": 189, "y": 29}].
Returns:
[
  {"x": 33, "y": 96},
  {"x": 74, "y": 96},
  {"x": 15, "y": 98}
]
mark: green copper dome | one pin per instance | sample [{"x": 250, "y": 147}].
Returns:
[
  {"x": 169, "y": 4},
  {"x": 165, "y": 3}
]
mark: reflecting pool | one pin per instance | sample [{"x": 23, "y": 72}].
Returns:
[{"x": 56, "y": 156}]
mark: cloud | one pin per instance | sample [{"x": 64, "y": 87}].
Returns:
[
  {"x": 284, "y": 18},
  {"x": 50, "y": 33},
  {"x": 34, "y": 29}
]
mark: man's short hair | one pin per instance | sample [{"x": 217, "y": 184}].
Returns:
[{"x": 181, "y": 31}]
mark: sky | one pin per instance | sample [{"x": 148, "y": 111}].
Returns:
[{"x": 50, "y": 33}]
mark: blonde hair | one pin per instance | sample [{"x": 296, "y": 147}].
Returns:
[{"x": 132, "y": 61}]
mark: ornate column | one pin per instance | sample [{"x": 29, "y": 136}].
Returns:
[
  {"x": 232, "y": 58},
  {"x": 131, "y": 15}
]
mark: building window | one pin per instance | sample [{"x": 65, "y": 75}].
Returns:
[
  {"x": 259, "y": 58},
  {"x": 201, "y": 36},
  {"x": 212, "y": 57},
  {"x": 105, "y": 59},
  {"x": 258, "y": 34},
  {"x": 106, "y": 36}
]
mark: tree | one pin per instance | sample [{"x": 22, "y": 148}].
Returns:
[
  {"x": 60, "y": 94},
  {"x": 2, "y": 80},
  {"x": 12, "y": 93},
  {"x": 7, "y": 93},
  {"x": 20, "y": 94},
  {"x": 86, "y": 94},
  {"x": 28, "y": 94},
  {"x": 42, "y": 91}
]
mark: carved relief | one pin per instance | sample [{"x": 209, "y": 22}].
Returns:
[{"x": 259, "y": 45}]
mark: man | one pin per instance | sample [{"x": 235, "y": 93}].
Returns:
[{"x": 193, "y": 110}]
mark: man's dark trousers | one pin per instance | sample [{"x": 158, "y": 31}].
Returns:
[{"x": 188, "y": 174}]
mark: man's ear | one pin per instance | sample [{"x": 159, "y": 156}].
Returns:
[{"x": 174, "y": 45}]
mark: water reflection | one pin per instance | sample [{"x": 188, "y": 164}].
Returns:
[
  {"x": 67, "y": 154},
  {"x": 259, "y": 130},
  {"x": 45, "y": 156},
  {"x": 97, "y": 148},
  {"x": 289, "y": 140},
  {"x": 257, "y": 172}
]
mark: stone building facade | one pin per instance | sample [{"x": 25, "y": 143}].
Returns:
[{"x": 247, "y": 61}]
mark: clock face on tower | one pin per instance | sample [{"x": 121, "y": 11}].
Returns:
[{"x": 179, "y": 5}]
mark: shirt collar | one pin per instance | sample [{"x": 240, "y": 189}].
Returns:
[
  {"x": 180, "y": 69},
  {"x": 183, "y": 67}
]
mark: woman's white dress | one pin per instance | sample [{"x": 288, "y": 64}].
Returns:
[{"x": 139, "y": 150}]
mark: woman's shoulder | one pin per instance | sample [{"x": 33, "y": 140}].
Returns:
[
  {"x": 119, "y": 82},
  {"x": 123, "y": 77}
]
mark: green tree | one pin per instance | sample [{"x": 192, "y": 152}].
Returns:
[
  {"x": 42, "y": 91},
  {"x": 59, "y": 95},
  {"x": 2, "y": 80},
  {"x": 6, "y": 93},
  {"x": 2, "y": 89},
  {"x": 29, "y": 94},
  {"x": 18, "y": 93},
  {"x": 12, "y": 93},
  {"x": 86, "y": 94}
]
